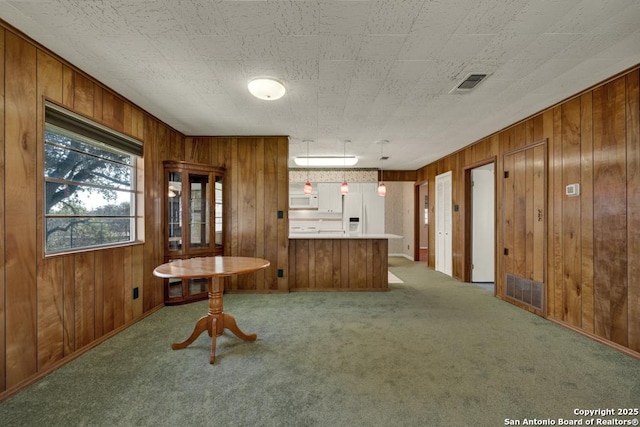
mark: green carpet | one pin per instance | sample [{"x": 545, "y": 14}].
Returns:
[{"x": 431, "y": 352}]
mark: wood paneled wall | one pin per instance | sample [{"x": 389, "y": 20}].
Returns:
[
  {"x": 54, "y": 308},
  {"x": 389, "y": 176},
  {"x": 593, "y": 139},
  {"x": 256, "y": 188}
]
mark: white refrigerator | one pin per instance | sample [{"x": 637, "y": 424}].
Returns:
[{"x": 363, "y": 213}]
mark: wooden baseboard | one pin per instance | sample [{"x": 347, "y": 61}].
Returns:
[
  {"x": 339, "y": 290},
  {"x": 35, "y": 378},
  {"x": 612, "y": 344}
]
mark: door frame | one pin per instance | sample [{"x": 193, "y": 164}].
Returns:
[
  {"x": 466, "y": 274},
  {"x": 545, "y": 145},
  {"x": 448, "y": 256}
]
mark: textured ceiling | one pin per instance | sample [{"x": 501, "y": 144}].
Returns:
[{"x": 358, "y": 70}]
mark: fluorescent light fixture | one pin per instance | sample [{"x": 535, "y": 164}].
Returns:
[
  {"x": 266, "y": 88},
  {"x": 326, "y": 161}
]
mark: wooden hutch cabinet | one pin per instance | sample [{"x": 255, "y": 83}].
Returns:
[{"x": 193, "y": 223}]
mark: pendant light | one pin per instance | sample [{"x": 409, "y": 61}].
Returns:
[
  {"x": 382, "y": 189},
  {"x": 344, "y": 188},
  {"x": 307, "y": 185}
]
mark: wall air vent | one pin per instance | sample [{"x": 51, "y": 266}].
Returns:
[
  {"x": 468, "y": 83},
  {"x": 526, "y": 291}
]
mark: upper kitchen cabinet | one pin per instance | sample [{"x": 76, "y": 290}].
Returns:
[
  {"x": 329, "y": 197},
  {"x": 193, "y": 222}
]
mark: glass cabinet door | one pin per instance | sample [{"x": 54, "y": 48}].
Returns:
[
  {"x": 193, "y": 221},
  {"x": 199, "y": 211},
  {"x": 174, "y": 210},
  {"x": 218, "y": 213}
]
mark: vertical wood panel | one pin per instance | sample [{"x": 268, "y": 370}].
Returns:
[
  {"x": 336, "y": 277},
  {"x": 197, "y": 150},
  {"x": 137, "y": 273},
  {"x": 3, "y": 371},
  {"x": 20, "y": 165},
  {"x": 571, "y": 236},
  {"x": 119, "y": 287},
  {"x": 633, "y": 206},
  {"x": 109, "y": 277},
  {"x": 98, "y": 288},
  {"x": 519, "y": 213},
  {"x": 302, "y": 261},
  {"x": 83, "y": 95},
  {"x": 368, "y": 283},
  {"x": 557, "y": 191},
  {"x": 127, "y": 271},
  {"x": 69, "y": 305},
  {"x": 344, "y": 263},
  {"x": 586, "y": 212},
  {"x": 539, "y": 205},
  {"x": 84, "y": 299},
  {"x": 357, "y": 257},
  {"x": 324, "y": 264},
  {"x": 152, "y": 293},
  {"x": 548, "y": 126},
  {"x": 50, "y": 271},
  {"x": 261, "y": 213},
  {"x": 246, "y": 191},
  {"x": 50, "y": 312},
  {"x": 538, "y": 128},
  {"x": 529, "y": 214},
  {"x": 112, "y": 110},
  {"x": 267, "y": 226},
  {"x": 610, "y": 214},
  {"x": 113, "y": 284},
  {"x": 98, "y": 103},
  {"x": 68, "y": 76},
  {"x": 282, "y": 192},
  {"x": 292, "y": 263}
]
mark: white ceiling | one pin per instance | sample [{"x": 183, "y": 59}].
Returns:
[{"x": 359, "y": 70}]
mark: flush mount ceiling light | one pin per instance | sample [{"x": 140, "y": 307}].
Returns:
[
  {"x": 266, "y": 88},
  {"x": 326, "y": 161}
]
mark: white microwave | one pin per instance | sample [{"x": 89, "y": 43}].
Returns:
[{"x": 303, "y": 201}]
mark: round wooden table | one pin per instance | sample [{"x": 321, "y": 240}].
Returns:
[{"x": 216, "y": 320}]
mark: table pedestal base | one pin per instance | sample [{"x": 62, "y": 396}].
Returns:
[{"x": 214, "y": 322}]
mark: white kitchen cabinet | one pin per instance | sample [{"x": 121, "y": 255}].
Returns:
[{"x": 329, "y": 197}]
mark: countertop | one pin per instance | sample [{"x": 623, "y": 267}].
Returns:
[{"x": 342, "y": 236}]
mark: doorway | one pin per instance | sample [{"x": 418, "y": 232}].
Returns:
[
  {"x": 483, "y": 229},
  {"x": 444, "y": 238},
  {"x": 423, "y": 229}
]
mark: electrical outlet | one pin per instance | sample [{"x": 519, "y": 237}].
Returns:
[{"x": 280, "y": 272}]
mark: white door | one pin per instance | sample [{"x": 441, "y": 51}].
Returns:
[
  {"x": 482, "y": 224},
  {"x": 444, "y": 247}
]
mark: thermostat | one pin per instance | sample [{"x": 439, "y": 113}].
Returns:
[{"x": 573, "y": 190}]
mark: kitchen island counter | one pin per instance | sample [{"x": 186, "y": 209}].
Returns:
[{"x": 338, "y": 262}]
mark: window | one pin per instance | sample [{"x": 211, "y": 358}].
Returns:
[{"x": 89, "y": 183}]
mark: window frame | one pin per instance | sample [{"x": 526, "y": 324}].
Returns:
[{"x": 102, "y": 137}]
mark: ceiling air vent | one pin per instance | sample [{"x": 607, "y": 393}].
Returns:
[{"x": 468, "y": 83}]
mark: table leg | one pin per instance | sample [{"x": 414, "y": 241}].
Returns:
[
  {"x": 212, "y": 358},
  {"x": 203, "y": 324},
  {"x": 230, "y": 324},
  {"x": 214, "y": 322}
]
